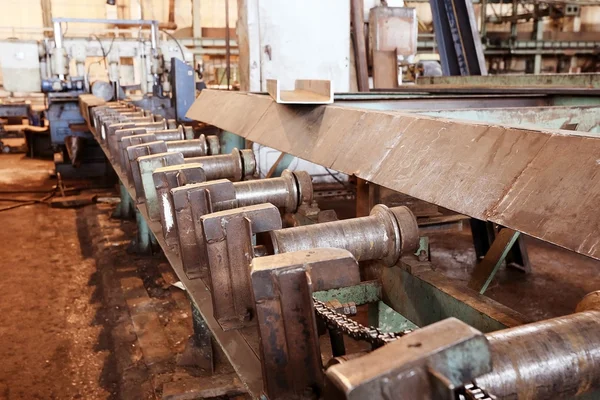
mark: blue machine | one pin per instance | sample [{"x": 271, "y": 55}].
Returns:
[{"x": 76, "y": 153}]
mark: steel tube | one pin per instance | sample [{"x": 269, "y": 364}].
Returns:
[
  {"x": 381, "y": 236},
  {"x": 168, "y": 134},
  {"x": 219, "y": 166},
  {"x": 235, "y": 166},
  {"x": 278, "y": 191},
  {"x": 58, "y": 36},
  {"x": 553, "y": 359},
  {"x": 282, "y": 192},
  {"x": 189, "y": 148}
]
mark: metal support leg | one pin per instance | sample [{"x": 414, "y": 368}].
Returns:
[
  {"x": 338, "y": 348},
  {"x": 142, "y": 244},
  {"x": 488, "y": 267},
  {"x": 125, "y": 208},
  {"x": 484, "y": 234},
  {"x": 539, "y": 37},
  {"x": 202, "y": 341},
  {"x": 230, "y": 141}
]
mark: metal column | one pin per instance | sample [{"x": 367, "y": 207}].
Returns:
[{"x": 457, "y": 36}]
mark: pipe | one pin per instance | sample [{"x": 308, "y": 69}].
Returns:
[
  {"x": 284, "y": 192},
  {"x": 557, "y": 358},
  {"x": 384, "y": 235},
  {"x": 189, "y": 148},
  {"x": 167, "y": 134},
  {"x": 281, "y": 192},
  {"x": 235, "y": 166}
]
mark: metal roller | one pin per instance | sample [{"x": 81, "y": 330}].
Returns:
[
  {"x": 286, "y": 192},
  {"x": 384, "y": 235},
  {"x": 557, "y": 358},
  {"x": 234, "y": 166}
]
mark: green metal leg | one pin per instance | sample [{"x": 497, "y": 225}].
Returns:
[
  {"x": 280, "y": 165},
  {"x": 125, "y": 208},
  {"x": 229, "y": 141},
  {"x": 143, "y": 242}
]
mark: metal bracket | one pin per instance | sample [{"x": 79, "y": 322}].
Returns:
[
  {"x": 283, "y": 285},
  {"x": 486, "y": 270},
  {"x": 431, "y": 361},
  {"x": 166, "y": 179},
  {"x": 147, "y": 165},
  {"x": 230, "y": 248}
]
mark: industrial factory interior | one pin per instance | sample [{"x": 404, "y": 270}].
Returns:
[{"x": 299, "y": 199}]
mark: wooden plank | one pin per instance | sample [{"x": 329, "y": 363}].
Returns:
[
  {"x": 306, "y": 91},
  {"x": 540, "y": 182},
  {"x": 385, "y": 69}
]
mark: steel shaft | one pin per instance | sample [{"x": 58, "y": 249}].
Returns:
[
  {"x": 234, "y": 166},
  {"x": 189, "y": 148},
  {"x": 557, "y": 358},
  {"x": 283, "y": 192},
  {"x": 383, "y": 235}
]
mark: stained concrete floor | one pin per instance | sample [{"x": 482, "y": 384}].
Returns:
[
  {"x": 77, "y": 311},
  {"x": 557, "y": 282},
  {"x": 64, "y": 329},
  {"x": 50, "y": 341}
]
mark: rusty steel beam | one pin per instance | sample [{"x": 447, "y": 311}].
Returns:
[{"x": 540, "y": 182}]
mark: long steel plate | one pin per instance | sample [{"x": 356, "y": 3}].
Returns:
[{"x": 540, "y": 182}]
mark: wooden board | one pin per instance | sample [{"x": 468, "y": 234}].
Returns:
[{"x": 540, "y": 182}]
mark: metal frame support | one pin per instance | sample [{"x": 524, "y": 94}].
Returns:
[
  {"x": 283, "y": 161},
  {"x": 283, "y": 285},
  {"x": 229, "y": 237},
  {"x": 125, "y": 208},
  {"x": 486, "y": 270},
  {"x": 202, "y": 340},
  {"x": 484, "y": 234},
  {"x": 457, "y": 36},
  {"x": 142, "y": 244},
  {"x": 230, "y": 141},
  {"x": 432, "y": 361}
]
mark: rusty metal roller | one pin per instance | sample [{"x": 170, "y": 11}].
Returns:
[
  {"x": 235, "y": 166},
  {"x": 202, "y": 146},
  {"x": 384, "y": 235},
  {"x": 287, "y": 192},
  {"x": 557, "y": 358}
]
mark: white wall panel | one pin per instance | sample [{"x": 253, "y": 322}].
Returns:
[{"x": 307, "y": 39}]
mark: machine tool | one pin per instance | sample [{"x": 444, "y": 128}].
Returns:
[
  {"x": 164, "y": 83},
  {"x": 348, "y": 309}
]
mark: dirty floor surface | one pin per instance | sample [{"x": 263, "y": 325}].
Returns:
[{"x": 74, "y": 303}]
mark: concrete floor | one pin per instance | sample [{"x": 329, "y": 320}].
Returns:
[
  {"x": 77, "y": 312},
  {"x": 558, "y": 281},
  {"x": 65, "y": 328},
  {"x": 51, "y": 341}
]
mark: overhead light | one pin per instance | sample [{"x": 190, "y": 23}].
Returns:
[{"x": 111, "y": 2}]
